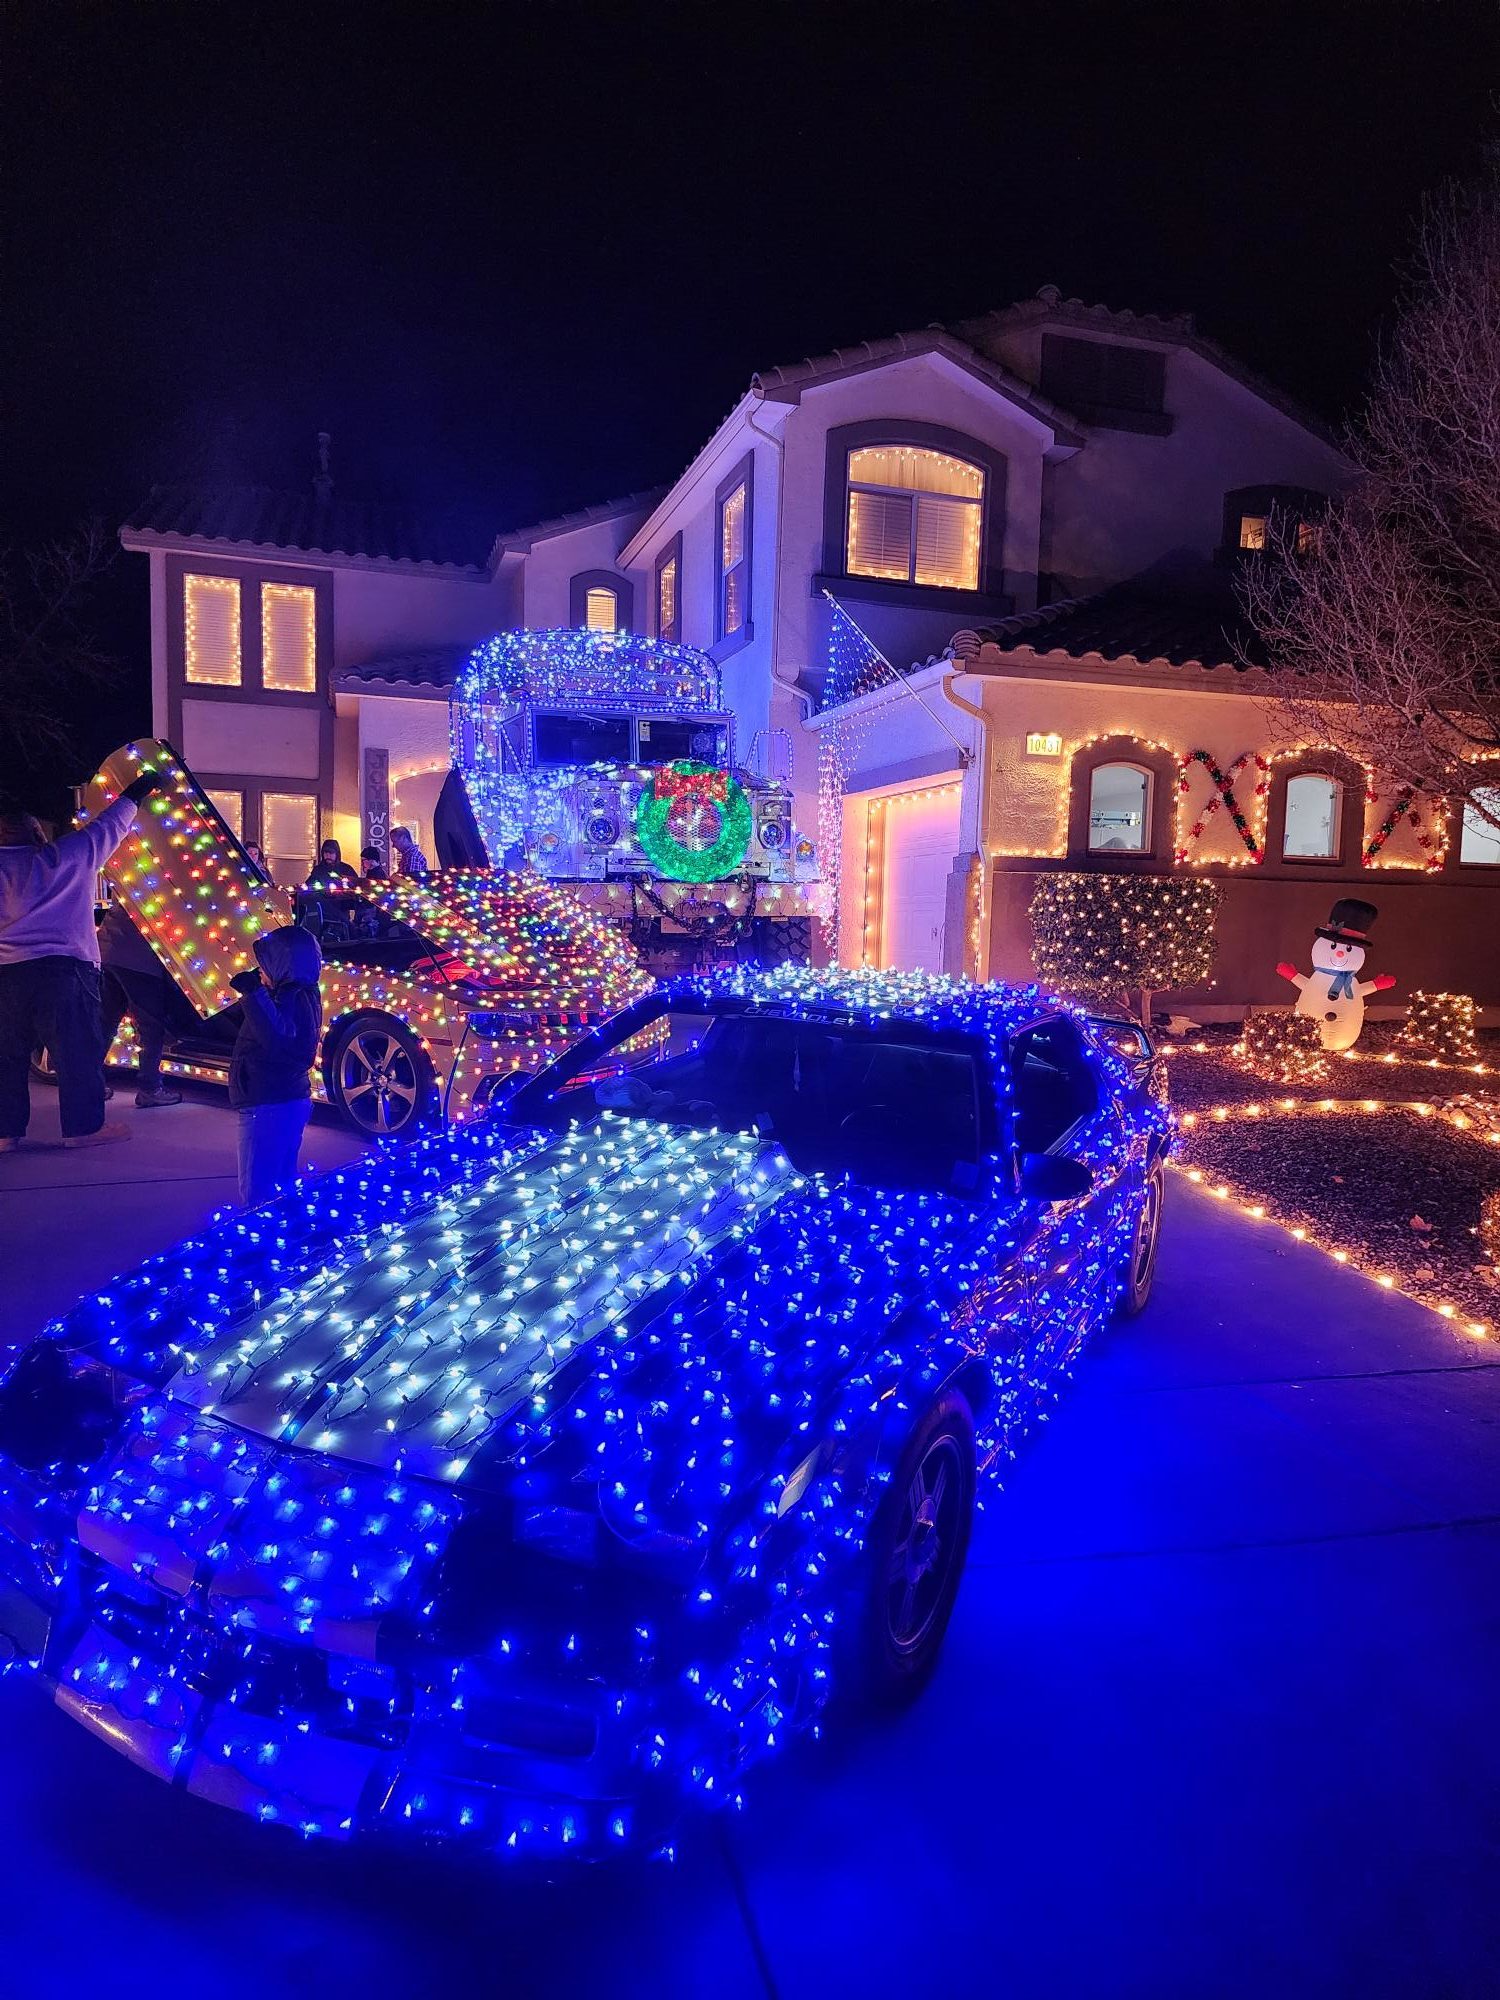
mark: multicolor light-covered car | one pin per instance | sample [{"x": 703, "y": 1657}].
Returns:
[
  {"x": 433, "y": 989},
  {"x": 519, "y": 1486}
]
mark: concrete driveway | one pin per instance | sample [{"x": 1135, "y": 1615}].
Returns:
[{"x": 1218, "y": 1714}]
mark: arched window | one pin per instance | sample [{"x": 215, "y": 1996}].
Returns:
[
  {"x": 601, "y": 609},
  {"x": 1119, "y": 809},
  {"x": 1311, "y": 828},
  {"x": 914, "y": 516}
]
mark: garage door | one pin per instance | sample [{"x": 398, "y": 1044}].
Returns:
[{"x": 921, "y": 839}]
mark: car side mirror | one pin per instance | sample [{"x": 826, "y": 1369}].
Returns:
[{"x": 1053, "y": 1177}]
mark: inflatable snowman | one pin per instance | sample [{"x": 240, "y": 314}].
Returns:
[{"x": 1331, "y": 994}]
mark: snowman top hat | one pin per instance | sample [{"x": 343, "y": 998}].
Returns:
[{"x": 1348, "y": 922}]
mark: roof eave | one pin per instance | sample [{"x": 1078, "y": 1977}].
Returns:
[{"x": 145, "y": 541}]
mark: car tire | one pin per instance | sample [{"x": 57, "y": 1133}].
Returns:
[
  {"x": 1139, "y": 1272},
  {"x": 914, "y": 1556},
  {"x": 380, "y": 1078}
]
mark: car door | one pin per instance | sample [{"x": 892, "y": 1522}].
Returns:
[{"x": 1062, "y": 1104}]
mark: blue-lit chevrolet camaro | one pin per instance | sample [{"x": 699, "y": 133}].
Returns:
[{"x": 519, "y": 1485}]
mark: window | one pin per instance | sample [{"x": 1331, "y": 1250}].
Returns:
[
  {"x": 601, "y": 609},
  {"x": 581, "y": 739},
  {"x": 914, "y": 516},
  {"x": 1312, "y": 818},
  {"x": 211, "y": 630},
  {"x": 289, "y": 833},
  {"x": 1252, "y": 531},
  {"x": 1052, "y": 1085},
  {"x": 667, "y": 572},
  {"x": 1309, "y": 537},
  {"x": 230, "y": 806},
  {"x": 288, "y": 637},
  {"x": 1119, "y": 809},
  {"x": 666, "y": 738},
  {"x": 734, "y": 549},
  {"x": 1103, "y": 380},
  {"x": 1479, "y": 842}
]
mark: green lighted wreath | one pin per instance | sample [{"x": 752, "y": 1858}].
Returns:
[{"x": 672, "y": 857}]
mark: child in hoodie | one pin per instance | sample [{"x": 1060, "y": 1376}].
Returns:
[{"x": 273, "y": 1054}]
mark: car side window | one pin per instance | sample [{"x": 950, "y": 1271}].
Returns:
[{"x": 1052, "y": 1084}]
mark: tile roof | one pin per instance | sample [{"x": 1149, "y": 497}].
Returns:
[
  {"x": 431, "y": 670},
  {"x": 258, "y": 517},
  {"x": 1131, "y": 622},
  {"x": 582, "y": 517}
]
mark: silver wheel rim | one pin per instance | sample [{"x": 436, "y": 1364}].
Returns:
[
  {"x": 1147, "y": 1232},
  {"x": 377, "y": 1081},
  {"x": 920, "y": 1564}
]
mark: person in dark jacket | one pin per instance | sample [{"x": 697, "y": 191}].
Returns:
[
  {"x": 273, "y": 1053},
  {"x": 371, "y": 863},
  {"x": 330, "y": 870},
  {"x": 132, "y": 982}
]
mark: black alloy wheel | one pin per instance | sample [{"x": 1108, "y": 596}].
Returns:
[
  {"x": 1140, "y": 1261},
  {"x": 381, "y": 1078},
  {"x": 915, "y": 1553}
]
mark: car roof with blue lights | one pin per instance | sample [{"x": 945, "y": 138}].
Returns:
[{"x": 930, "y": 998}]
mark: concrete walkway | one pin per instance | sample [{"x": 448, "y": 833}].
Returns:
[{"x": 1218, "y": 1714}]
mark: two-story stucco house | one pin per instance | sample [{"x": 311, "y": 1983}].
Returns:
[{"x": 1034, "y": 516}]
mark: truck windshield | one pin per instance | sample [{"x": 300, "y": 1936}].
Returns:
[
  {"x": 888, "y": 1106},
  {"x": 581, "y": 739},
  {"x": 666, "y": 738}
]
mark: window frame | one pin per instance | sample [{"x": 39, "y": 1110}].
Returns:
[
  {"x": 990, "y": 596},
  {"x": 1161, "y": 769},
  {"x": 743, "y": 474},
  {"x": 669, "y": 552},
  {"x": 585, "y": 580},
  {"x": 1335, "y": 857},
  {"x": 1485, "y": 867},
  {"x": 1352, "y": 783},
  {"x": 283, "y": 789},
  {"x": 912, "y": 496},
  {"x": 1148, "y": 805}
]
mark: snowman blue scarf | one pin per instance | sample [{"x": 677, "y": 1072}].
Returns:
[{"x": 1342, "y": 987}]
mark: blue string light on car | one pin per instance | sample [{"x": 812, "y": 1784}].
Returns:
[{"x": 512, "y": 1487}]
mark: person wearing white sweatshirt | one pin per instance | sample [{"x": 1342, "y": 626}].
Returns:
[{"x": 49, "y": 966}]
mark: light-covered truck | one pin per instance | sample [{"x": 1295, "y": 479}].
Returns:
[{"x": 608, "y": 762}]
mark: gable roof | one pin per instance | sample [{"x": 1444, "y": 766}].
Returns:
[
  {"x": 788, "y": 381},
  {"x": 1049, "y": 308},
  {"x": 1132, "y": 623},
  {"x": 311, "y": 524}
]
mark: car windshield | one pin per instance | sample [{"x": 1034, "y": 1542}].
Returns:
[{"x": 885, "y": 1104}]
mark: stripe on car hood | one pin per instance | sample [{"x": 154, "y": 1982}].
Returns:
[{"x": 408, "y": 1350}]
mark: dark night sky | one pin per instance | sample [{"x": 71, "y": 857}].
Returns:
[{"x": 519, "y": 258}]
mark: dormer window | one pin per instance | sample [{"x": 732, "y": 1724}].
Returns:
[
  {"x": 1261, "y": 519},
  {"x": 601, "y": 612},
  {"x": 914, "y": 516}
]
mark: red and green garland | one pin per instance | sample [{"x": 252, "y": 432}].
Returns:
[{"x": 1224, "y": 794}]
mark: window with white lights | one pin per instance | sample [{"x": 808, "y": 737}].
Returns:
[
  {"x": 230, "y": 806},
  {"x": 1119, "y": 809},
  {"x": 211, "y": 630},
  {"x": 734, "y": 560},
  {"x": 1312, "y": 817},
  {"x": 601, "y": 609},
  {"x": 289, "y": 637},
  {"x": 915, "y": 516},
  {"x": 667, "y": 573},
  {"x": 289, "y": 833},
  {"x": 1479, "y": 843}
]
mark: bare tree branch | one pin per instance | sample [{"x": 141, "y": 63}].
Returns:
[
  {"x": 49, "y": 656},
  {"x": 1385, "y": 634}
]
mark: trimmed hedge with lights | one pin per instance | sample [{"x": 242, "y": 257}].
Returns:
[{"x": 1115, "y": 934}]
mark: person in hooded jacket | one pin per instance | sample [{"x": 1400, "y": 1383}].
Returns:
[{"x": 269, "y": 1070}]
